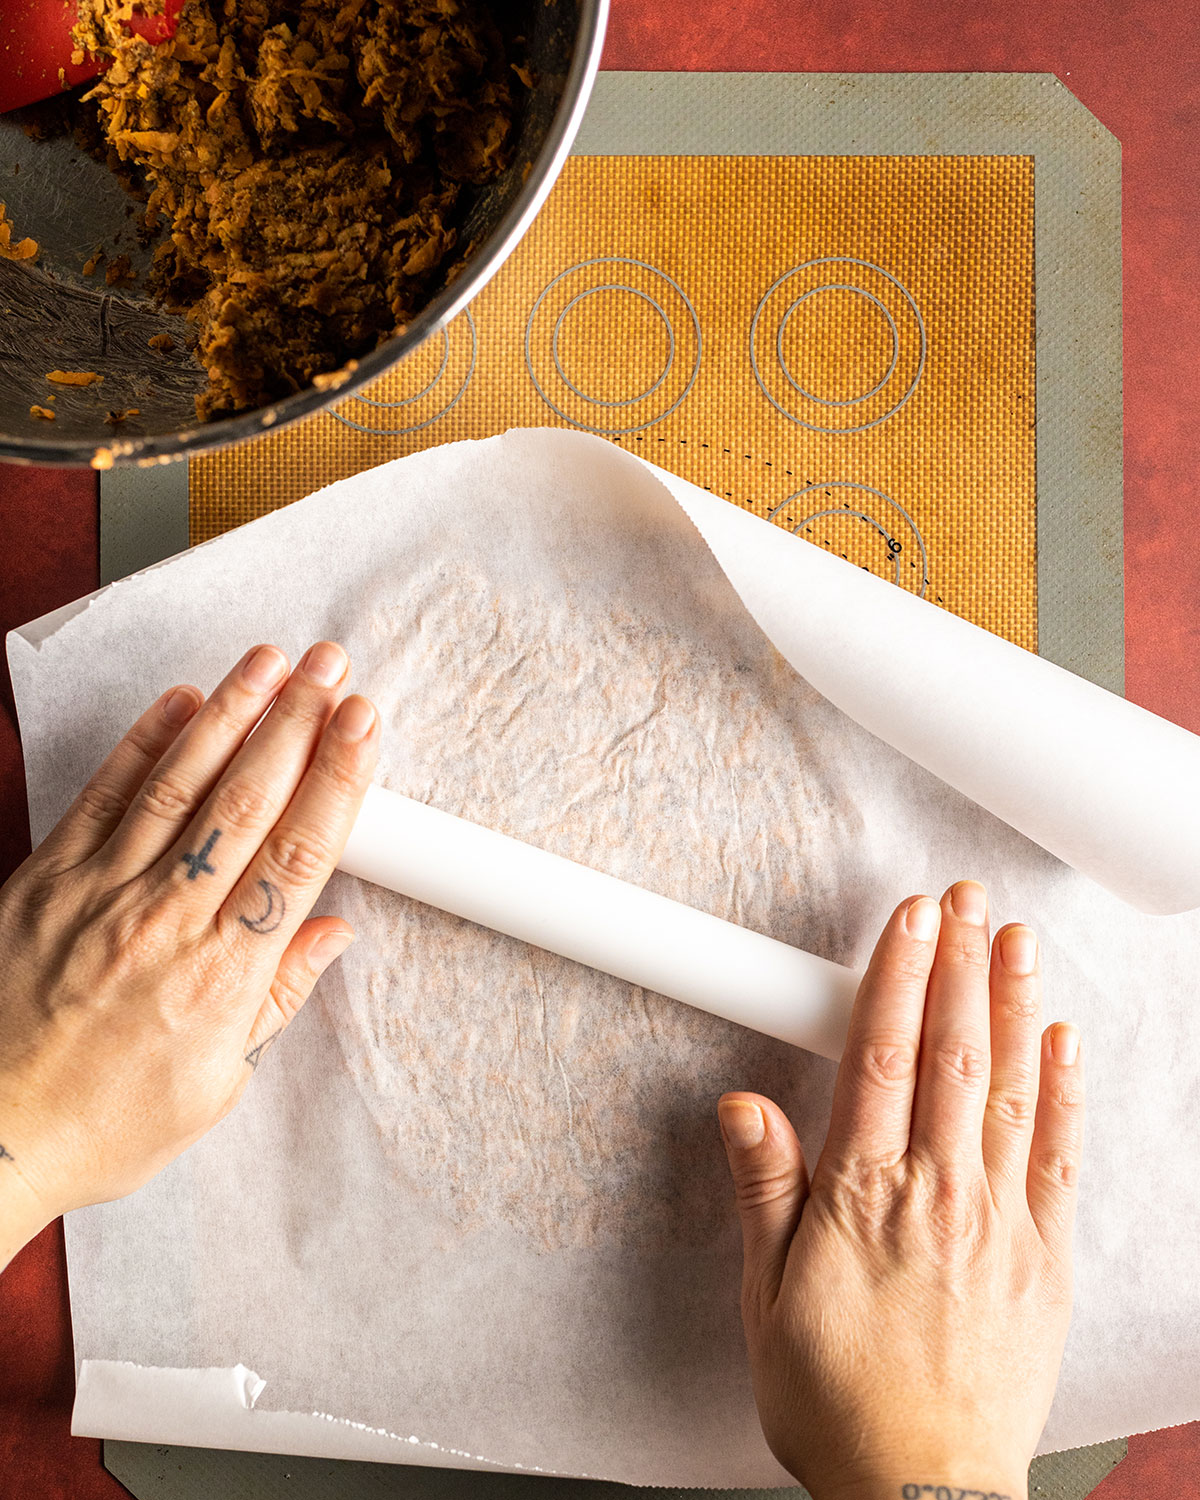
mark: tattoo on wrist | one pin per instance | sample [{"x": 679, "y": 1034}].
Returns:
[
  {"x": 271, "y": 918},
  {"x": 947, "y": 1492},
  {"x": 254, "y": 1056},
  {"x": 198, "y": 863},
  {"x": 6, "y": 1155}
]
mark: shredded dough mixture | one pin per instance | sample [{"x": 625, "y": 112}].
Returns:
[{"x": 304, "y": 161}]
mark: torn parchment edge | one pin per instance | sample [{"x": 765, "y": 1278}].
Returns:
[
  {"x": 37, "y": 632},
  {"x": 217, "y": 1408}
]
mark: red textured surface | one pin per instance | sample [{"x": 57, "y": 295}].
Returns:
[
  {"x": 48, "y": 522},
  {"x": 1136, "y": 65},
  {"x": 1159, "y": 1466}
]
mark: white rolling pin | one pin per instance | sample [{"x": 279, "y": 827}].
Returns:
[{"x": 595, "y": 919}]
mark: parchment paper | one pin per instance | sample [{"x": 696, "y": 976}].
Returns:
[{"x": 474, "y": 1209}]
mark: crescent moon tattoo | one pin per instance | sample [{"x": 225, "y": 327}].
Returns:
[{"x": 273, "y": 915}]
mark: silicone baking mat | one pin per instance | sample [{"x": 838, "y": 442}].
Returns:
[{"x": 845, "y": 345}]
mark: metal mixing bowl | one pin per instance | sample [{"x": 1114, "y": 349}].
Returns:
[{"x": 53, "y": 317}]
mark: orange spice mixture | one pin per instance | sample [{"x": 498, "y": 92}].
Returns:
[
  {"x": 304, "y": 162},
  {"x": 25, "y": 249},
  {"x": 73, "y": 377}
]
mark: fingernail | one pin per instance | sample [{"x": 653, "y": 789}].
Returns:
[
  {"x": 968, "y": 902},
  {"x": 324, "y": 664},
  {"x": 742, "y": 1123},
  {"x": 355, "y": 718},
  {"x": 264, "y": 669},
  {"x": 923, "y": 918},
  {"x": 332, "y": 945},
  {"x": 1064, "y": 1044},
  {"x": 180, "y": 705},
  {"x": 1019, "y": 950}
]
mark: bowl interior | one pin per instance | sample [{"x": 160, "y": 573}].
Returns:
[{"x": 52, "y": 316}]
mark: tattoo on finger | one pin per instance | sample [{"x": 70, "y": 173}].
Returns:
[
  {"x": 198, "y": 863},
  {"x": 254, "y": 1056},
  {"x": 6, "y": 1155},
  {"x": 271, "y": 918}
]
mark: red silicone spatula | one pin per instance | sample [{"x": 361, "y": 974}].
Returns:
[{"x": 36, "y": 47}]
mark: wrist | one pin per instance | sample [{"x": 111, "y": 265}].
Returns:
[
  {"x": 23, "y": 1213},
  {"x": 917, "y": 1483},
  {"x": 21, "y": 1216}
]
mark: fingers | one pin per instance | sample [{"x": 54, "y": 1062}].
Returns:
[
  {"x": 167, "y": 799},
  {"x": 1012, "y": 1094},
  {"x": 102, "y": 804},
  {"x": 771, "y": 1183},
  {"x": 212, "y": 851},
  {"x": 316, "y": 945},
  {"x": 299, "y": 853},
  {"x": 872, "y": 1102},
  {"x": 955, "y": 1061},
  {"x": 1054, "y": 1157}
]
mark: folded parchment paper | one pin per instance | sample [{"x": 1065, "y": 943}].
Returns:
[{"x": 474, "y": 1208}]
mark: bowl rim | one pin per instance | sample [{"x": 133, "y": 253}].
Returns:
[{"x": 450, "y": 301}]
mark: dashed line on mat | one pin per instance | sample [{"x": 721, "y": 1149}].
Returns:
[{"x": 767, "y": 463}]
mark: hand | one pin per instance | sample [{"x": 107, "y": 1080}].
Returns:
[
  {"x": 906, "y": 1313},
  {"x": 156, "y": 942}
]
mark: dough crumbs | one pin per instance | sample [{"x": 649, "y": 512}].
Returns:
[
  {"x": 162, "y": 341},
  {"x": 43, "y": 412},
  {"x": 304, "y": 162},
  {"x": 89, "y": 265},
  {"x": 120, "y": 271},
  {"x": 122, "y": 416},
  {"x": 25, "y": 249},
  {"x": 74, "y": 377},
  {"x": 335, "y": 378}
]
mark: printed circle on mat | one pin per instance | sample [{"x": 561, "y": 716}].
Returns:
[
  {"x": 838, "y": 350},
  {"x": 876, "y": 533},
  {"x": 439, "y": 372},
  {"x": 613, "y": 345}
]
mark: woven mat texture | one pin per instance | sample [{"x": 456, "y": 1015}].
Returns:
[{"x": 843, "y": 344}]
